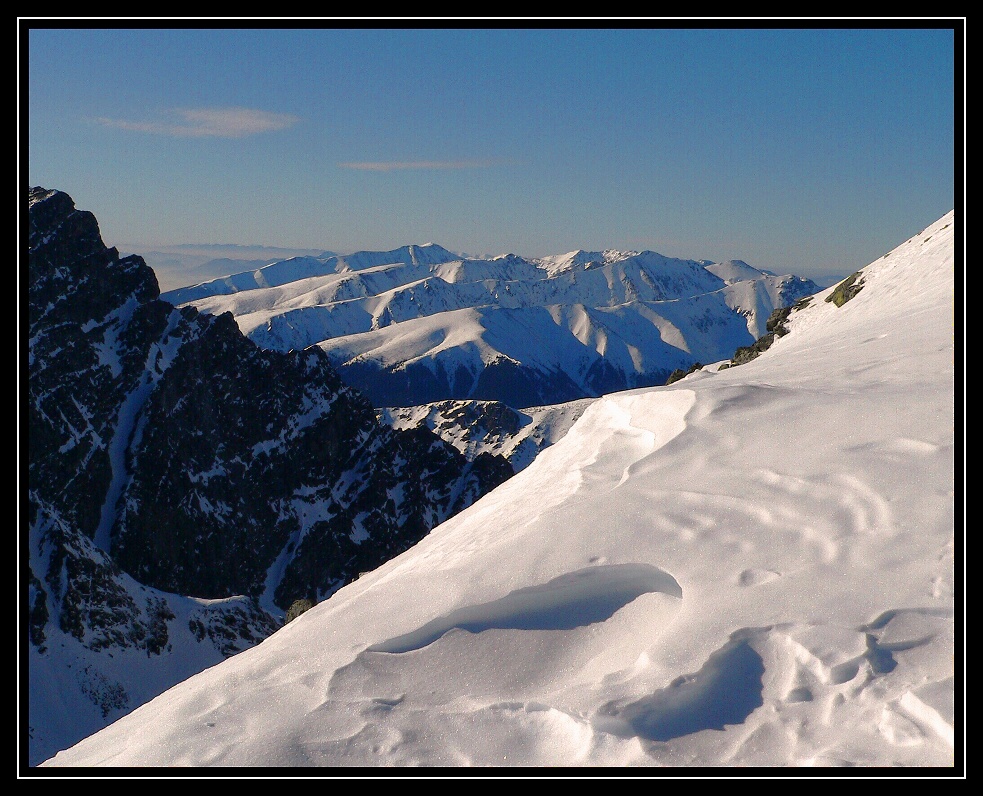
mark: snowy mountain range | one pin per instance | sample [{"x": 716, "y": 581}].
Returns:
[
  {"x": 182, "y": 264},
  {"x": 420, "y": 324},
  {"x": 753, "y": 566},
  {"x": 186, "y": 487}
]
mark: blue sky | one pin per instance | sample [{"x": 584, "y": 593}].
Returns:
[{"x": 809, "y": 151}]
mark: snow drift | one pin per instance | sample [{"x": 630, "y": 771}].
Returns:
[{"x": 749, "y": 567}]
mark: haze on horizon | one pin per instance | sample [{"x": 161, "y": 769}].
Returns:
[{"x": 808, "y": 151}]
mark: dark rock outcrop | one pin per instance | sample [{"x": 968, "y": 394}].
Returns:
[
  {"x": 679, "y": 373},
  {"x": 846, "y": 289},
  {"x": 169, "y": 455},
  {"x": 775, "y": 326},
  {"x": 191, "y": 455}
]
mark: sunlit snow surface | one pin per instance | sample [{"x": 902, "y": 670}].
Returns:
[{"x": 749, "y": 567}]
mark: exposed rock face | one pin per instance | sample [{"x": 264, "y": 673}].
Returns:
[
  {"x": 847, "y": 289},
  {"x": 478, "y": 428},
  {"x": 776, "y": 328},
  {"x": 168, "y": 452}
]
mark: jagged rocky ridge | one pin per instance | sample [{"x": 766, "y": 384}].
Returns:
[
  {"x": 419, "y": 324},
  {"x": 476, "y": 427},
  {"x": 169, "y": 455}
]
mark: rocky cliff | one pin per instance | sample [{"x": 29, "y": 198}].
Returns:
[{"x": 171, "y": 459}]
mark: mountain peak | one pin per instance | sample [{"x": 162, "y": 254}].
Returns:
[
  {"x": 558, "y": 263},
  {"x": 187, "y": 485}
]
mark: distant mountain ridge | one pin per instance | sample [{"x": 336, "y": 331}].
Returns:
[
  {"x": 420, "y": 324},
  {"x": 304, "y": 267},
  {"x": 177, "y": 265},
  {"x": 186, "y": 486}
]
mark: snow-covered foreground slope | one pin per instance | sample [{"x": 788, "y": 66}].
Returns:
[{"x": 750, "y": 567}]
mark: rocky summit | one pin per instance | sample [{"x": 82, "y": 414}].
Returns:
[{"x": 184, "y": 485}]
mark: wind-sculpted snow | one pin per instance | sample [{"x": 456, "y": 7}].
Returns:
[
  {"x": 750, "y": 567},
  {"x": 573, "y": 600},
  {"x": 525, "y": 332},
  {"x": 726, "y": 690}
]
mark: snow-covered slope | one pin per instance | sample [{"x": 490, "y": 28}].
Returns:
[
  {"x": 749, "y": 567},
  {"x": 299, "y": 268},
  {"x": 135, "y": 642},
  {"x": 418, "y": 324}
]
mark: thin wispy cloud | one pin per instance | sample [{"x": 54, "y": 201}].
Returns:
[
  {"x": 396, "y": 165},
  {"x": 208, "y": 122}
]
